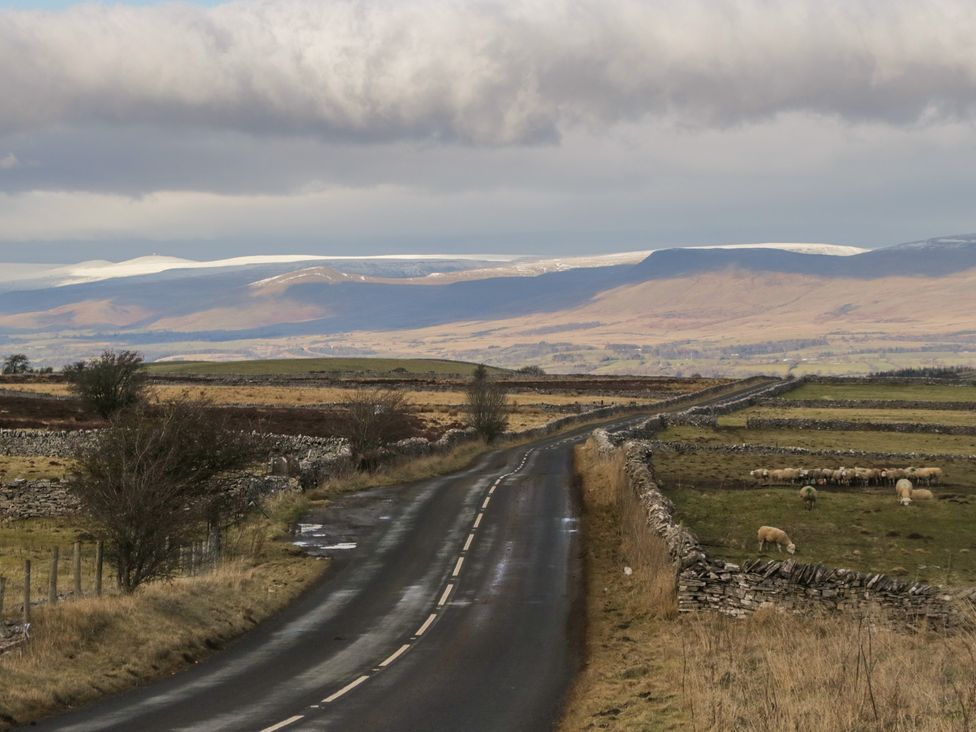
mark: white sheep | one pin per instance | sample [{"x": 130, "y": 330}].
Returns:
[
  {"x": 922, "y": 494},
  {"x": 903, "y": 489},
  {"x": 809, "y": 495},
  {"x": 775, "y": 536}
]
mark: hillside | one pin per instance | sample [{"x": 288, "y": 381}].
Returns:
[{"x": 710, "y": 309}]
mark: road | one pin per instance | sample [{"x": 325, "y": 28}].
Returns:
[{"x": 460, "y": 608}]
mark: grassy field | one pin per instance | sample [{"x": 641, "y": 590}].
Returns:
[
  {"x": 931, "y": 541},
  {"x": 646, "y": 669},
  {"x": 919, "y": 392},
  {"x": 13, "y": 467},
  {"x": 922, "y": 416},
  {"x": 303, "y": 366},
  {"x": 827, "y": 439}
]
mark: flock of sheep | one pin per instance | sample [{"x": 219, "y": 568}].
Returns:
[
  {"x": 847, "y": 476},
  {"x": 905, "y": 491}
]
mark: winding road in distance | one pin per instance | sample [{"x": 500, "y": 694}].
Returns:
[{"x": 461, "y": 608}]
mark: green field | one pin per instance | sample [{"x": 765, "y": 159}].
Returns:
[
  {"x": 827, "y": 439},
  {"x": 922, "y": 416},
  {"x": 311, "y": 366},
  {"x": 868, "y": 531},
  {"x": 918, "y": 392}
]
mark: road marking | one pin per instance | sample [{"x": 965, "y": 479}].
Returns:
[
  {"x": 394, "y": 656},
  {"x": 345, "y": 689},
  {"x": 447, "y": 591},
  {"x": 280, "y": 725},
  {"x": 491, "y": 490},
  {"x": 467, "y": 544},
  {"x": 485, "y": 504},
  {"x": 427, "y": 622},
  {"x": 477, "y": 520},
  {"x": 457, "y": 567}
]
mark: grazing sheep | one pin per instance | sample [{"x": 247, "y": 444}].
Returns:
[
  {"x": 922, "y": 494},
  {"x": 903, "y": 489},
  {"x": 775, "y": 536},
  {"x": 809, "y": 495},
  {"x": 928, "y": 475},
  {"x": 760, "y": 475}
]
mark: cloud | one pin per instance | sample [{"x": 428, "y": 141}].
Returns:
[
  {"x": 484, "y": 72},
  {"x": 9, "y": 162}
]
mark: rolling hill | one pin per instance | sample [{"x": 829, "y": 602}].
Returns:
[{"x": 631, "y": 310}]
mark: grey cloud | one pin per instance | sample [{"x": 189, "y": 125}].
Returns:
[{"x": 488, "y": 73}]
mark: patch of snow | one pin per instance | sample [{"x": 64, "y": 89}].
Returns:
[{"x": 836, "y": 250}]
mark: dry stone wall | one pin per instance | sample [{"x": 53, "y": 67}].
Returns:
[
  {"x": 792, "y": 423},
  {"x": 27, "y": 499},
  {"x": 873, "y": 404},
  {"x": 705, "y": 583}
]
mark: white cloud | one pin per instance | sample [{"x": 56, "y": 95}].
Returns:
[
  {"x": 488, "y": 72},
  {"x": 9, "y": 162}
]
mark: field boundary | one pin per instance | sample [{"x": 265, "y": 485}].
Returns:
[
  {"x": 802, "y": 423},
  {"x": 704, "y": 583}
]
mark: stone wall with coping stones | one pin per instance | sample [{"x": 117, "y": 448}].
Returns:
[
  {"x": 704, "y": 583},
  {"x": 799, "y": 423},
  {"x": 750, "y": 449}
]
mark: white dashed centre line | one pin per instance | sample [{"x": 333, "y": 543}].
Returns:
[
  {"x": 477, "y": 520},
  {"x": 282, "y": 725},
  {"x": 485, "y": 504},
  {"x": 447, "y": 593},
  {"x": 423, "y": 628},
  {"x": 345, "y": 689},
  {"x": 467, "y": 544},
  {"x": 457, "y": 567},
  {"x": 395, "y": 655}
]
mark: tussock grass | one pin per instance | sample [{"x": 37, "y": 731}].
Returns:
[{"x": 648, "y": 670}]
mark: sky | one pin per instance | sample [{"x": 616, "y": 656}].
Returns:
[{"x": 513, "y": 126}]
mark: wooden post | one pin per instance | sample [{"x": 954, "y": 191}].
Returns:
[
  {"x": 3, "y": 592},
  {"x": 193, "y": 558},
  {"x": 27, "y": 589},
  {"x": 98, "y": 569},
  {"x": 53, "y": 594},
  {"x": 76, "y": 557}
]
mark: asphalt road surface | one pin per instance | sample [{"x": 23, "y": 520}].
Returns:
[{"x": 459, "y": 608}]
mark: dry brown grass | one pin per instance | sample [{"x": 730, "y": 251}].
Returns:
[
  {"x": 646, "y": 670},
  {"x": 82, "y": 649}
]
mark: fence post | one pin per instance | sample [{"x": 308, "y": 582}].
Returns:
[
  {"x": 27, "y": 589},
  {"x": 98, "y": 569},
  {"x": 77, "y": 568},
  {"x": 193, "y": 558},
  {"x": 3, "y": 592},
  {"x": 53, "y": 594}
]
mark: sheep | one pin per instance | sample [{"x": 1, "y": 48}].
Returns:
[
  {"x": 809, "y": 495},
  {"x": 928, "y": 475},
  {"x": 760, "y": 475},
  {"x": 903, "y": 489},
  {"x": 922, "y": 494},
  {"x": 775, "y": 536}
]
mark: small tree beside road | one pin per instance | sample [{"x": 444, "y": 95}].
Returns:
[
  {"x": 374, "y": 418},
  {"x": 113, "y": 381},
  {"x": 150, "y": 483},
  {"x": 487, "y": 405}
]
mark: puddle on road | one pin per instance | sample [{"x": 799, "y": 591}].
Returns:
[{"x": 342, "y": 526}]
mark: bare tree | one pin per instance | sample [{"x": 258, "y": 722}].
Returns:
[
  {"x": 151, "y": 483},
  {"x": 113, "y": 381},
  {"x": 375, "y": 418},
  {"x": 16, "y": 363},
  {"x": 487, "y": 405}
]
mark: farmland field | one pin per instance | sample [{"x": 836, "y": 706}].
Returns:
[
  {"x": 920, "y": 416},
  {"x": 897, "y": 391},
  {"x": 861, "y": 528}
]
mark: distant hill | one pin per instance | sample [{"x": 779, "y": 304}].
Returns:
[{"x": 474, "y": 310}]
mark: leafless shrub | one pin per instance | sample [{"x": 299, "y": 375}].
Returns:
[{"x": 152, "y": 482}]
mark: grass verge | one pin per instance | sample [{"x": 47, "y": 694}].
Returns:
[
  {"x": 86, "y": 648},
  {"x": 646, "y": 670}
]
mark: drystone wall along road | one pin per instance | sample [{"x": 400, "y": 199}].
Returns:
[
  {"x": 795, "y": 423},
  {"x": 679, "y": 447},
  {"x": 704, "y": 583}
]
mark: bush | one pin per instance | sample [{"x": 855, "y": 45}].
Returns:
[
  {"x": 149, "y": 484},
  {"x": 487, "y": 405},
  {"x": 111, "y": 382}
]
